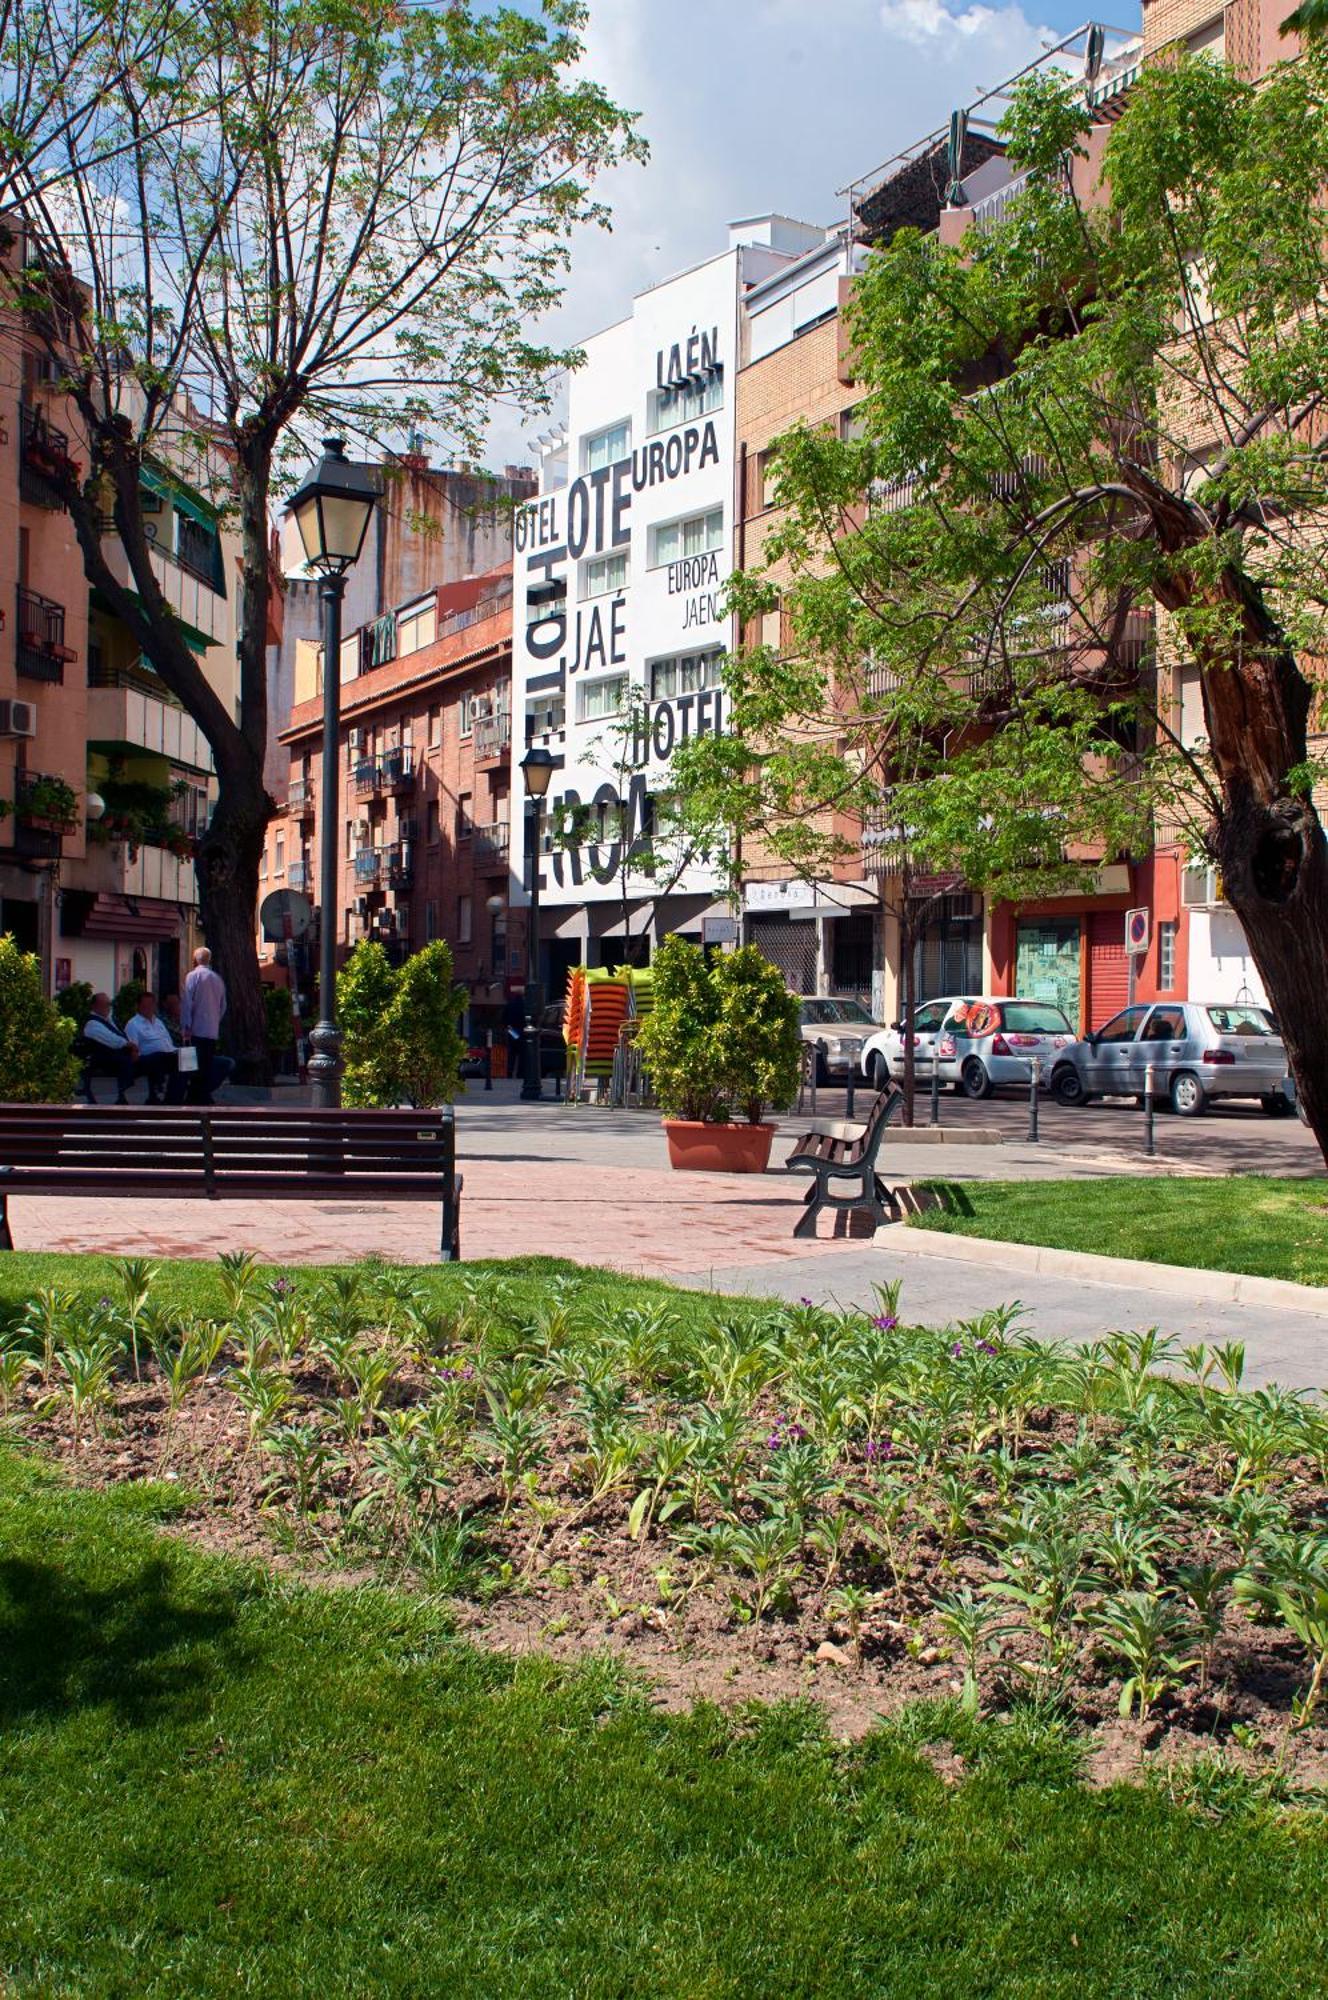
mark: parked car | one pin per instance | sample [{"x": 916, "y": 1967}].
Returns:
[
  {"x": 984, "y": 1044},
  {"x": 883, "y": 1053},
  {"x": 837, "y": 1028},
  {"x": 1199, "y": 1053}
]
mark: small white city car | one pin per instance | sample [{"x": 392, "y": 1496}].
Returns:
[
  {"x": 985, "y": 1044},
  {"x": 1199, "y": 1053},
  {"x": 883, "y": 1053}
]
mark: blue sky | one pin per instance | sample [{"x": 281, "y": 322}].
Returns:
[{"x": 758, "y": 105}]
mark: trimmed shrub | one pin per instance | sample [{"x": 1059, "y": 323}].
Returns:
[
  {"x": 401, "y": 1033},
  {"x": 36, "y": 1066}
]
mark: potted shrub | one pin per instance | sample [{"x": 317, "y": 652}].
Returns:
[
  {"x": 48, "y": 802},
  {"x": 721, "y": 1045}
]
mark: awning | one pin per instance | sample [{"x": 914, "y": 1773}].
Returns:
[{"x": 131, "y": 919}]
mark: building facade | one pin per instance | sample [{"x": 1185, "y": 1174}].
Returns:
[
  {"x": 424, "y": 775},
  {"x": 620, "y": 628}
]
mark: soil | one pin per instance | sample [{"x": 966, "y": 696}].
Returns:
[{"x": 577, "y": 1584}]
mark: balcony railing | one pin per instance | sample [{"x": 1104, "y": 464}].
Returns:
[
  {"x": 493, "y": 734},
  {"x": 491, "y": 842},
  {"x": 398, "y": 770},
  {"x": 41, "y": 652},
  {"x": 299, "y": 875},
  {"x": 400, "y": 865},
  {"x": 43, "y": 456},
  {"x": 369, "y": 865},
  {"x": 300, "y": 797}
]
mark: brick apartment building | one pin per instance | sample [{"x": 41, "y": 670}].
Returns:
[{"x": 425, "y": 779}]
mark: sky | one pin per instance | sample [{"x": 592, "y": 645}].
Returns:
[{"x": 753, "y": 106}]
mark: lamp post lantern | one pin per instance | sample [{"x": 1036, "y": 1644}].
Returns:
[
  {"x": 537, "y": 767},
  {"x": 332, "y": 512}
]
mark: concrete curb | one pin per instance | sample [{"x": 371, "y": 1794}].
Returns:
[{"x": 1173, "y": 1280}]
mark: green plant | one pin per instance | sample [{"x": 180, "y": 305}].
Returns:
[
  {"x": 1151, "y": 1634},
  {"x": 722, "y": 1034},
  {"x": 75, "y": 1001},
  {"x": 49, "y": 800},
  {"x": 757, "y": 1030},
  {"x": 401, "y": 1026},
  {"x": 36, "y": 1065},
  {"x": 850, "y": 1605},
  {"x": 1291, "y": 1585},
  {"x": 971, "y": 1623},
  {"x": 125, "y": 1004},
  {"x": 280, "y": 1021}
]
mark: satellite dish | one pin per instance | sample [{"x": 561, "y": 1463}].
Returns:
[{"x": 285, "y": 914}]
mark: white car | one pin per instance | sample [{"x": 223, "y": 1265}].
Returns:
[{"x": 883, "y": 1054}]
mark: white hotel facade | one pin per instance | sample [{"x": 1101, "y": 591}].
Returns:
[{"x": 618, "y": 586}]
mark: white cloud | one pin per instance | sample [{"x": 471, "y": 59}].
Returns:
[{"x": 752, "y": 106}]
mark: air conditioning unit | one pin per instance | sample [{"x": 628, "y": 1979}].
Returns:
[
  {"x": 362, "y": 829},
  {"x": 18, "y": 718},
  {"x": 357, "y": 739}
]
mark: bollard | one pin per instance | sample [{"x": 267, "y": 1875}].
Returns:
[
  {"x": 488, "y": 1059},
  {"x": 1034, "y": 1070},
  {"x": 935, "y": 1088},
  {"x": 1150, "y": 1143},
  {"x": 848, "y": 1092}
]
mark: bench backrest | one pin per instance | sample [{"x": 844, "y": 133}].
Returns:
[
  {"x": 236, "y": 1146},
  {"x": 886, "y": 1103}
]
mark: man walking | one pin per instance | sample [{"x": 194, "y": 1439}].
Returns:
[{"x": 201, "y": 1014}]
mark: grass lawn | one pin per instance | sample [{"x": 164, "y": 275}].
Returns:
[
  {"x": 215, "y": 1781},
  {"x": 1264, "y": 1227}
]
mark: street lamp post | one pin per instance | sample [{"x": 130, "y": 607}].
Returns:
[
  {"x": 332, "y": 512},
  {"x": 537, "y": 769}
]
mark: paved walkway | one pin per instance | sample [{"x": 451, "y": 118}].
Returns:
[{"x": 593, "y": 1186}]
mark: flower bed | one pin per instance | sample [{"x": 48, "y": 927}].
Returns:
[{"x": 750, "y": 1500}]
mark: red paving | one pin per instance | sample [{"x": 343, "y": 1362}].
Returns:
[{"x": 633, "y": 1219}]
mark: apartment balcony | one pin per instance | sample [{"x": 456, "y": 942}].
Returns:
[
  {"x": 490, "y": 844},
  {"x": 299, "y": 875},
  {"x": 124, "y": 870},
  {"x": 492, "y": 736},
  {"x": 41, "y": 653},
  {"x": 369, "y": 867},
  {"x": 397, "y": 769},
  {"x": 44, "y": 455},
  {"x": 36, "y": 836},
  {"x": 300, "y": 798},
  {"x": 368, "y": 777},
  {"x": 124, "y": 711},
  {"x": 400, "y": 865},
  {"x": 189, "y": 594}
]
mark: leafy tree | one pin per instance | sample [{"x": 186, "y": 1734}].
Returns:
[
  {"x": 75, "y": 1001},
  {"x": 679, "y": 1037},
  {"x": 401, "y": 1026},
  {"x": 1111, "y": 402},
  {"x": 36, "y": 1066},
  {"x": 757, "y": 1029},
  {"x": 248, "y": 224}
]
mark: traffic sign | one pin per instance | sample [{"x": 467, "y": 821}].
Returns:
[
  {"x": 285, "y": 914},
  {"x": 1138, "y": 932}
]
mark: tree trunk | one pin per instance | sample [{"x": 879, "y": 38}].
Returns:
[
  {"x": 1274, "y": 863},
  {"x": 906, "y": 983},
  {"x": 227, "y": 867}
]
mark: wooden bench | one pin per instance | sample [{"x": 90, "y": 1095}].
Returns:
[
  {"x": 224, "y": 1152},
  {"x": 832, "y": 1156}
]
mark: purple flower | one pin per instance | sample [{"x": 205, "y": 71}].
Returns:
[
  {"x": 985, "y": 1347},
  {"x": 105, "y": 1303},
  {"x": 805, "y": 1302},
  {"x": 879, "y": 1448},
  {"x": 958, "y": 1348},
  {"x": 283, "y": 1286},
  {"x": 885, "y": 1321}
]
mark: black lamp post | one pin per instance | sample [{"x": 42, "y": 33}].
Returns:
[
  {"x": 537, "y": 768},
  {"x": 332, "y": 512}
]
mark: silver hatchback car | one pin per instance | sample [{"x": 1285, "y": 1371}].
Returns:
[
  {"x": 984, "y": 1043},
  {"x": 1198, "y": 1053}
]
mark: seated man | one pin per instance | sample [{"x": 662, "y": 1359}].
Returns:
[
  {"x": 107, "y": 1051},
  {"x": 157, "y": 1058}
]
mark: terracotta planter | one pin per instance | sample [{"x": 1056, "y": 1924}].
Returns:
[{"x": 718, "y": 1149}]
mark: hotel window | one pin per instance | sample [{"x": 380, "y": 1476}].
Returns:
[
  {"x": 435, "y": 727},
  {"x": 606, "y": 447},
  {"x": 545, "y": 713},
  {"x": 417, "y": 626},
  {"x": 602, "y": 574},
  {"x": 685, "y": 402},
  {"x": 695, "y": 536},
  {"x": 463, "y": 919},
  {"x": 597, "y": 699},
  {"x": 1166, "y": 957},
  {"x": 685, "y": 673}
]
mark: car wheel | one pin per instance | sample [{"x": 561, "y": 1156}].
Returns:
[
  {"x": 973, "y": 1078},
  {"x": 878, "y": 1073},
  {"x": 1277, "y": 1104},
  {"x": 1187, "y": 1097},
  {"x": 1067, "y": 1086}
]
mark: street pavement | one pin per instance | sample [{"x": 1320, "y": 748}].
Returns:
[{"x": 593, "y": 1185}]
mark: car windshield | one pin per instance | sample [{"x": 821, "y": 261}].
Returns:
[
  {"x": 854, "y": 1011},
  {"x": 1240, "y": 1021},
  {"x": 815, "y": 1013},
  {"x": 1032, "y": 1017}
]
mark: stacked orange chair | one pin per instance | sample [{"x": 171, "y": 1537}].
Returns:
[{"x": 607, "y": 1004}]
